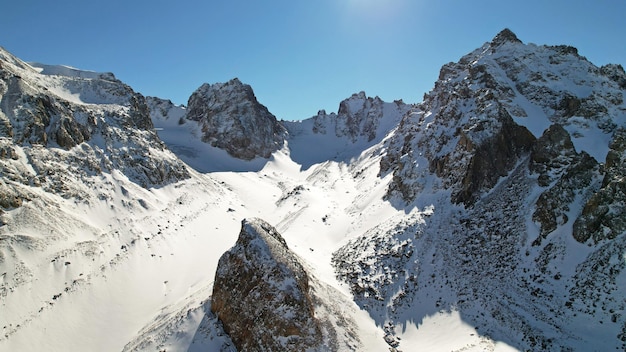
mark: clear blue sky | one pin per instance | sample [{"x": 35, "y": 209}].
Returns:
[{"x": 299, "y": 56}]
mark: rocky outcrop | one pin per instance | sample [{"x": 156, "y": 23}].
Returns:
[
  {"x": 261, "y": 294},
  {"x": 566, "y": 174},
  {"x": 232, "y": 119},
  {"x": 553, "y": 151},
  {"x": 490, "y": 160},
  {"x": 604, "y": 214},
  {"x": 359, "y": 117}
]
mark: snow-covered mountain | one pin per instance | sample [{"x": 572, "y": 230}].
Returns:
[
  {"x": 510, "y": 152},
  {"x": 490, "y": 216}
]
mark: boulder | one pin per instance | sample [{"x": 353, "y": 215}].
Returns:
[{"x": 261, "y": 294}]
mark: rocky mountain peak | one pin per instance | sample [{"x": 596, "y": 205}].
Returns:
[
  {"x": 531, "y": 86},
  {"x": 261, "y": 268},
  {"x": 518, "y": 129},
  {"x": 615, "y": 72},
  {"x": 359, "y": 116},
  {"x": 232, "y": 119},
  {"x": 506, "y": 35}
]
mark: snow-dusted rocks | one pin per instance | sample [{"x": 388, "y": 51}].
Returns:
[
  {"x": 261, "y": 294},
  {"x": 565, "y": 173},
  {"x": 359, "y": 116},
  {"x": 604, "y": 214},
  {"x": 93, "y": 122},
  {"x": 232, "y": 119},
  {"x": 615, "y": 73},
  {"x": 507, "y": 147}
]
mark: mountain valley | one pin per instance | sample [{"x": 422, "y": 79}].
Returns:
[{"x": 490, "y": 216}]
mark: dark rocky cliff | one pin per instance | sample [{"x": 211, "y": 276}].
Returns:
[
  {"x": 232, "y": 119},
  {"x": 261, "y": 294}
]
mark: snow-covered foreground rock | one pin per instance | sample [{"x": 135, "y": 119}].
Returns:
[{"x": 488, "y": 217}]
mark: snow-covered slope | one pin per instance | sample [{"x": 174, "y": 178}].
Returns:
[
  {"x": 80, "y": 165},
  {"x": 500, "y": 247},
  {"x": 107, "y": 241},
  {"x": 487, "y": 217},
  {"x": 360, "y": 123}
]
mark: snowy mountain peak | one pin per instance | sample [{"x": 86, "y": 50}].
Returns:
[
  {"x": 535, "y": 86},
  {"x": 359, "y": 116},
  {"x": 355, "y": 103},
  {"x": 232, "y": 119},
  {"x": 232, "y": 87},
  {"x": 506, "y": 35},
  {"x": 519, "y": 130},
  {"x": 67, "y": 71}
]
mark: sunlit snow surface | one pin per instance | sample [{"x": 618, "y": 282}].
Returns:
[{"x": 135, "y": 272}]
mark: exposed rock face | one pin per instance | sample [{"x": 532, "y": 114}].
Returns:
[
  {"x": 566, "y": 173},
  {"x": 232, "y": 119},
  {"x": 359, "y": 116},
  {"x": 73, "y": 124},
  {"x": 492, "y": 159},
  {"x": 261, "y": 294},
  {"x": 604, "y": 214}
]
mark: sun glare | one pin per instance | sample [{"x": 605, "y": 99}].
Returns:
[{"x": 374, "y": 10}]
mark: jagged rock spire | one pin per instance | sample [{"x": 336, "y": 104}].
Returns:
[
  {"x": 232, "y": 119},
  {"x": 260, "y": 268},
  {"x": 505, "y": 35}
]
